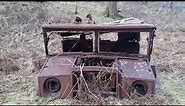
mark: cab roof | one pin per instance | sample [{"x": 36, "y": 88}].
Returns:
[{"x": 124, "y": 25}]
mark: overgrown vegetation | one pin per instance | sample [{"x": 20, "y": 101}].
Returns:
[{"x": 21, "y": 48}]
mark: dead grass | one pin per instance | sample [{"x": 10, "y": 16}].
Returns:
[{"x": 21, "y": 49}]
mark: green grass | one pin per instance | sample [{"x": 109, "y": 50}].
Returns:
[
  {"x": 12, "y": 98},
  {"x": 172, "y": 85}
]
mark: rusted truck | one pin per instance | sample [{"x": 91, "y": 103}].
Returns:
[{"x": 108, "y": 56}]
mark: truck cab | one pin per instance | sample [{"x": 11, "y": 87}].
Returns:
[{"x": 112, "y": 58}]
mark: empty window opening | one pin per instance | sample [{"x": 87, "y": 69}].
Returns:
[
  {"x": 79, "y": 42},
  {"x": 144, "y": 43},
  {"x": 120, "y": 42}
]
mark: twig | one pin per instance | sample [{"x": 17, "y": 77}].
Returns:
[
  {"x": 65, "y": 90},
  {"x": 73, "y": 85},
  {"x": 110, "y": 77},
  {"x": 104, "y": 66},
  {"x": 70, "y": 61},
  {"x": 74, "y": 44},
  {"x": 98, "y": 77},
  {"x": 124, "y": 91},
  {"x": 86, "y": 82}
]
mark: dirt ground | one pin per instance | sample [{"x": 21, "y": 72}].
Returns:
[{"x": 21, "y": 48}]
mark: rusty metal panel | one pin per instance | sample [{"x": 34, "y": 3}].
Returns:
[
  {"x": 128, "y": 88},
  {"x": 60, "y": 60},
  {"x": 61, "y": 67},
  {"x": 139, "y": 69},
  {"x": 56, "y": 70},
  {"x": 57, "y": 65},
  {"x": 98, "y": 27},
  {"x": 64, "y": 91},
  {"x": 105, "y": 54}
]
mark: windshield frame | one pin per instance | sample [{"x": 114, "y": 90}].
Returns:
[{"x": 151, "y": 31}]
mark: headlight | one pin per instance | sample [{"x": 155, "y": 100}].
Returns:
[
  {"x": 52, "y": 85},
  {"x": 140, "y": 87}
]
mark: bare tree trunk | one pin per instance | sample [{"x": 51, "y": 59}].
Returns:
[
  {"x": 171, "y": 5},
  {"x": 111, "y": 9},
  {"x": 76, "y": 12},
  {"x": 145, "y": 2}
]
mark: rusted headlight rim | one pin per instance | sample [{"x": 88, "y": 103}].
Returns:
[
  {"x": 139, "y": 82},
  {"x": 51, "y": 81}
]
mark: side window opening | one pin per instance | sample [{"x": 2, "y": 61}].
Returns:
[
  {"x": 120, "y": 42},
  {"x": 144, "y": 43},
  {"x": 80, "y": 42},
  {"x": 107, "y": 41},
  {"x": 54, "y": 44},
  {"x": 128, "y": 42}
]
